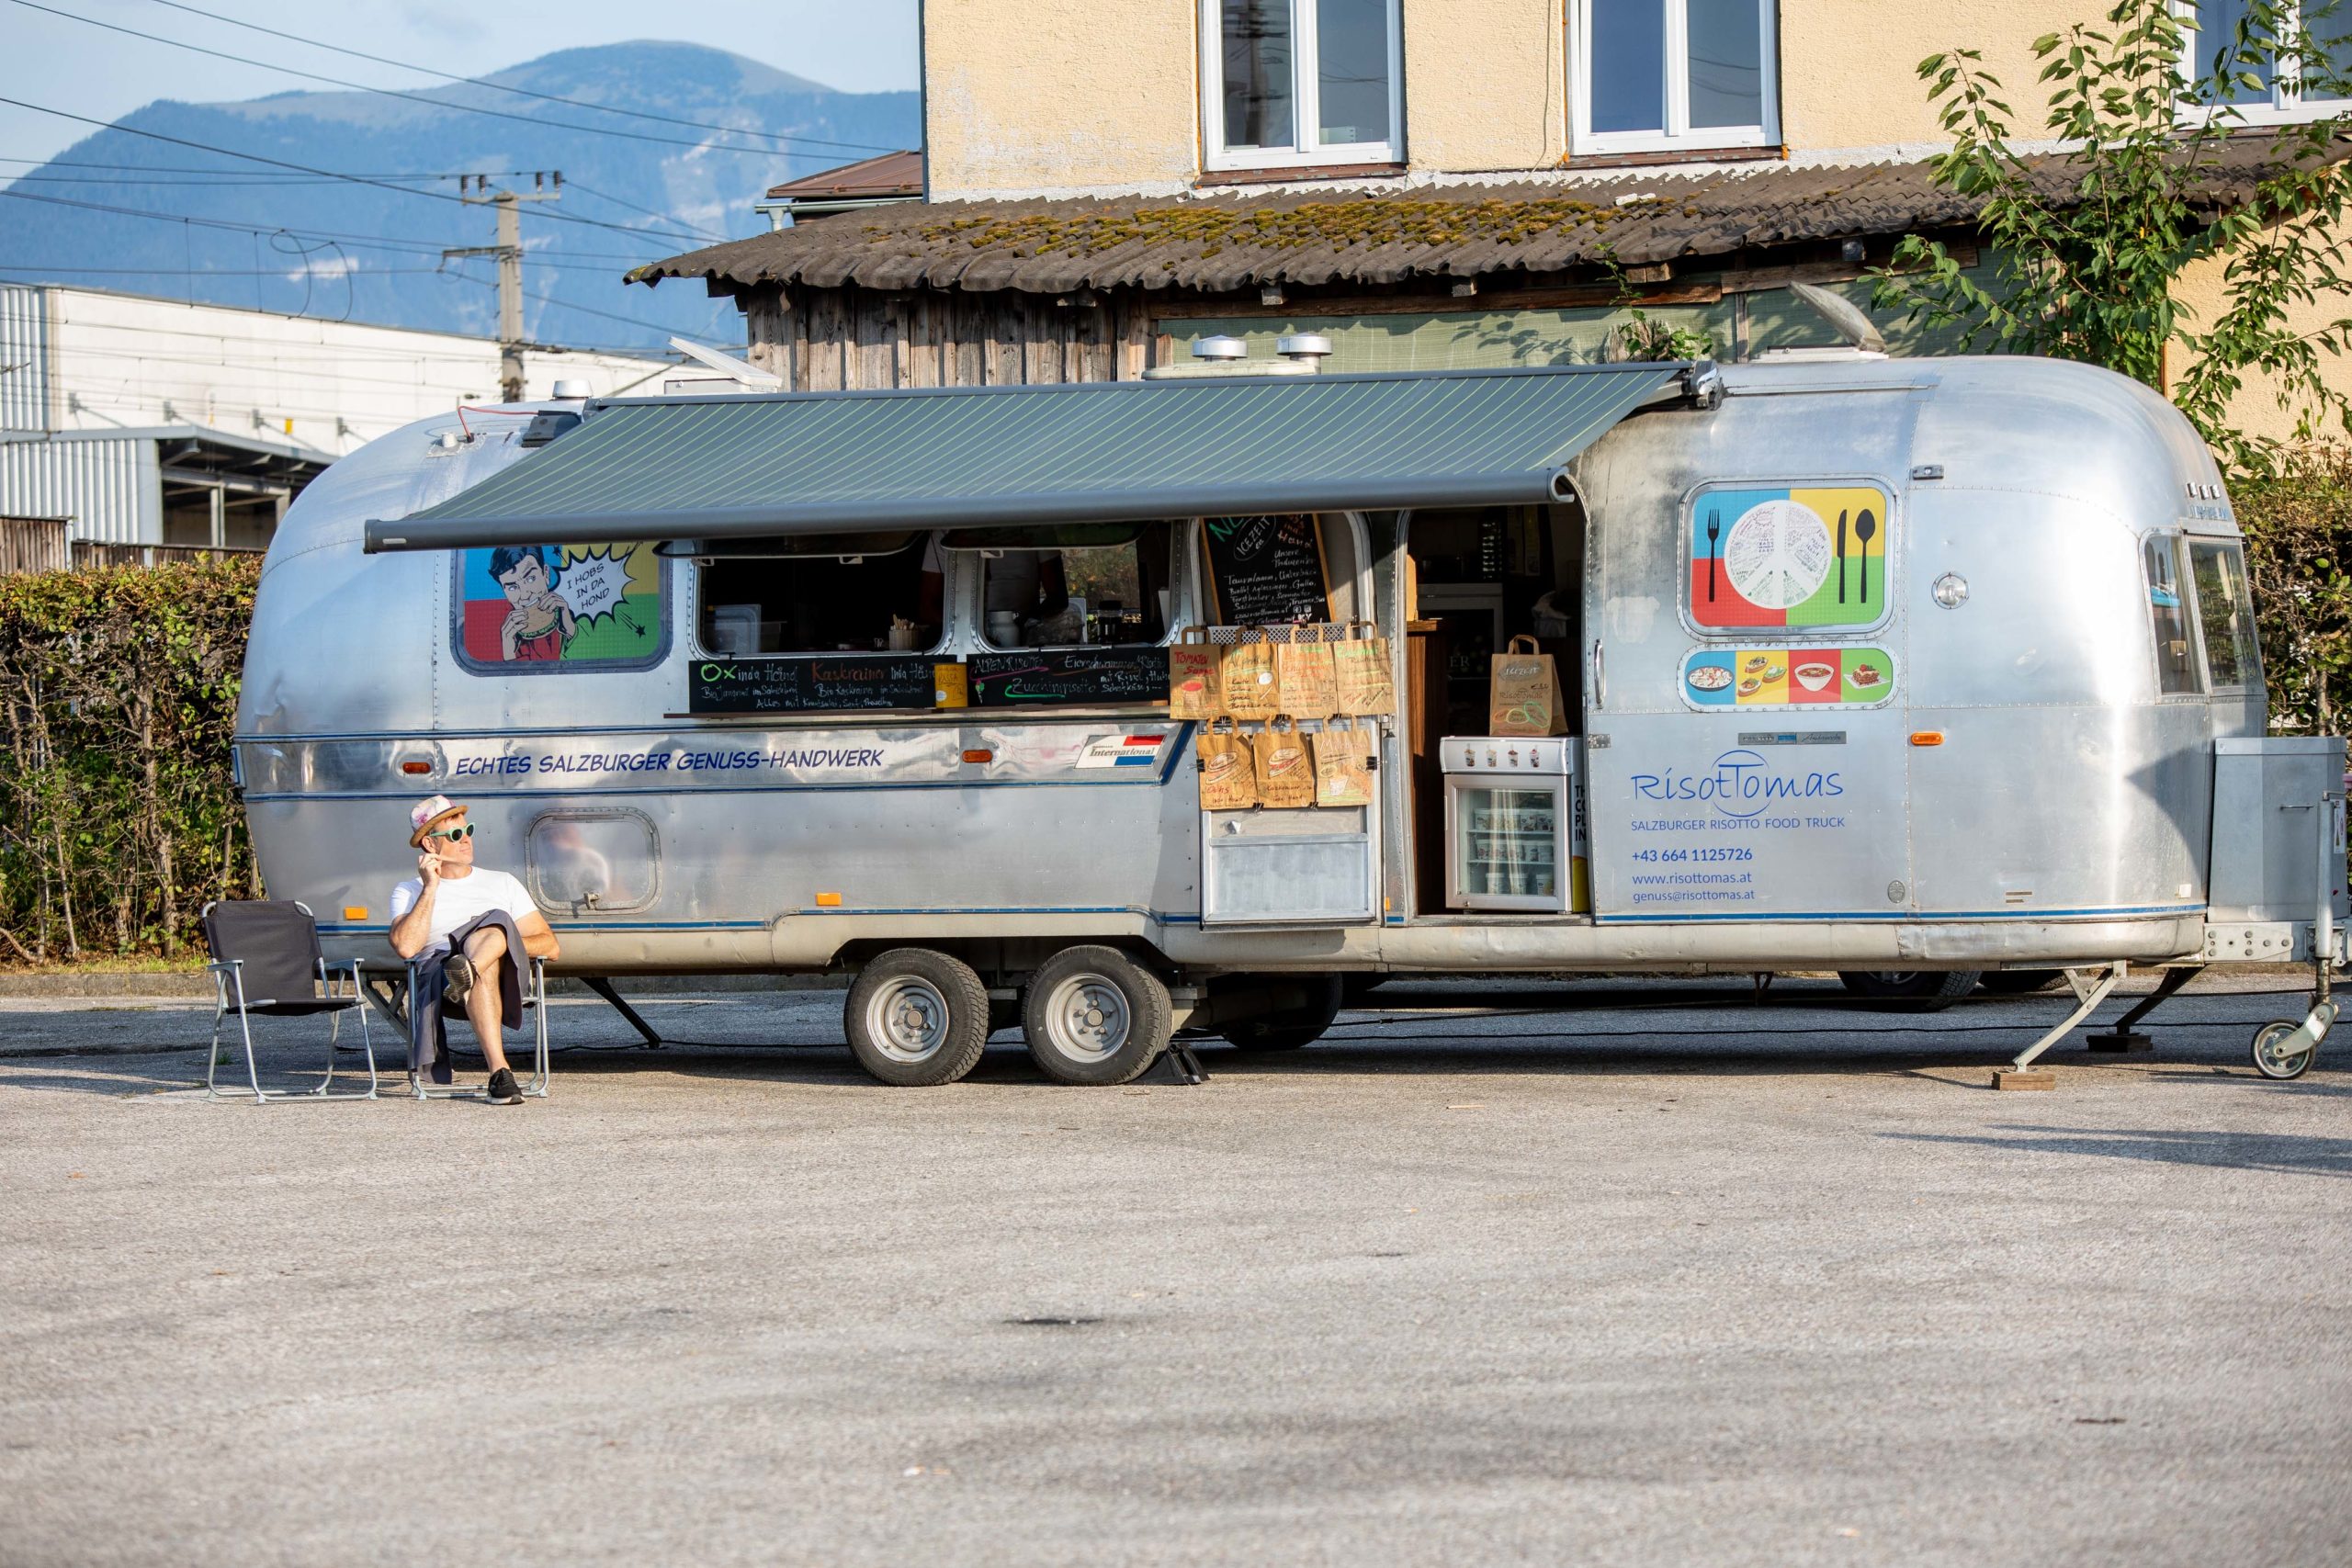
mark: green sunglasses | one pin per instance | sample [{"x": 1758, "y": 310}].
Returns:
[{"x": 465, "y": 831}]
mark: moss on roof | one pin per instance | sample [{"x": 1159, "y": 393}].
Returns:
[{"x": 1207, "y": 229}]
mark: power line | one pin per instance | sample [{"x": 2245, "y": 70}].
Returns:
[
  {"x": 394, "y": 91},
  {"x": 307, "y": 169},
  {"x": 617, "y": 201},
  {"x": 520, "y": 92},
  {"x": 590, "y": 310},
  {"x": 186, "y": 169}
]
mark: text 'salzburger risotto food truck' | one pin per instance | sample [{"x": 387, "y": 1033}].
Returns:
[{"x": 1939, "y": 666}]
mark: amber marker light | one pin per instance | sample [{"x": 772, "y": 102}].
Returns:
[
  {"x": 1926, "y": 737},
  {"x": 355, "y": 911},
  {"x": 979, "y": 756},
  {"x": 829, "y": 900},
  {"x": 416, "y": 767}
]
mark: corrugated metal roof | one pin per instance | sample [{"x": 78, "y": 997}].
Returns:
[
  {"x": 889, "y": 174},
  {"x": 658, "y": 469},
  {"x": 1220, "y": 242}
]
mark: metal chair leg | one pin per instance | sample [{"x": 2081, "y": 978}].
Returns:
[{"x": 212, "y": 1060}]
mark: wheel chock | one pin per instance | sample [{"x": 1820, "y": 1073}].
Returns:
[
  {"x": 2024, "y": 1077},
  {"x": 2115, "y": 1041},
  {"x": 1177, "y": 1064}
]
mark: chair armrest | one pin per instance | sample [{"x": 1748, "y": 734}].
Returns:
[{"x": 220, "y": 964}]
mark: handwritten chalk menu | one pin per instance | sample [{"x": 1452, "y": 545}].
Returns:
[
  {"x": 827, "y": 683},
  {"x": 1266, "y": 570},
  {"x": 1070, "y": 676}
]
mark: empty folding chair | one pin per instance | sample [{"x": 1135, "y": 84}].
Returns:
[{"x": 267, "y": 961}]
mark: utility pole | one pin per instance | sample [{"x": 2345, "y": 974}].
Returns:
[{"x": 546, "y": 184}]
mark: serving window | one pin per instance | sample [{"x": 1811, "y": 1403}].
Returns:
[
  {"x": 1076, "y": 586},
  {"x": 840, "y": 593}
]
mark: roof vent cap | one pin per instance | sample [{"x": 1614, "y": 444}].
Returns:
[
  {"x": 569, "y": 390},
  {"x": 1220, "y": 347},
  {"x": 1308, "y": 346}
]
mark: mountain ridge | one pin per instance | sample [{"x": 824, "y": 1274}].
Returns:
[{"x": 325, "y": 247}]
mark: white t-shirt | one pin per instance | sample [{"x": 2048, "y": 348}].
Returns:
[{"x": 462, "y": 898}]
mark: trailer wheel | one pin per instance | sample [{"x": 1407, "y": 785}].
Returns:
[
  {"x": 2273, "y": 1063},
  {"x": 1293, "y": 1027},
  {"x": 1095, "y": 1016},
  {"x": 1912, "y": 990},
  {"x": 916, "y": 1019},
  {"x": 2019, "y": 982}
]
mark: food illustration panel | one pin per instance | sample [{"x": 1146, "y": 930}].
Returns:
[
  {"x": 1802, "y": 556},
  {"x": 1787, "y": 677}
]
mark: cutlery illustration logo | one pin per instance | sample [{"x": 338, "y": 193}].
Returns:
[{"x": 1771, "y": 556}]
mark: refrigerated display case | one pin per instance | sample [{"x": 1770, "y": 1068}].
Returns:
[{"x": 1514, "y": 825}]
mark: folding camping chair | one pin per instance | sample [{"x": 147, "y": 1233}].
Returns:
[
  {"x": 534, "y": 977},
  {"x": 266, "y": 960}
]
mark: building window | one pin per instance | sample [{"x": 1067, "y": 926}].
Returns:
[
  {"x": 1672, "y": 76},
  {"x": 1294, "y": 83},
  {"x": 2304, "y": 73},
  {"x": 1073, "y": 586}
]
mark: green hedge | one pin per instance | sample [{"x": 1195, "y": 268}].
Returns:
[
  {"x": 2298, "y": 526},
  {"x": 118, "y": 820}
]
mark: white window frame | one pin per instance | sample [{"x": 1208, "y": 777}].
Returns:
[
  {"x": 1306, "y": 93},
  {"x": 2286, "y": 106},
  {"x": 1679, "y": 135}
]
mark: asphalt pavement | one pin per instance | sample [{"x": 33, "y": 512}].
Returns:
[{"x": 1603, "y": 1272}]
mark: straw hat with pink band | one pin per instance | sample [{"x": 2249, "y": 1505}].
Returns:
[{"x": 426, "y": 814}]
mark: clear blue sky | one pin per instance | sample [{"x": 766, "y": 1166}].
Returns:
[{"x": 863, "y": 47}]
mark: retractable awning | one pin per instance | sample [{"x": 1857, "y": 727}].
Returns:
[{"x": 969, "y": 456}]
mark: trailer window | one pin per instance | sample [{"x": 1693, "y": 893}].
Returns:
[
  {"x": 1075, "y": 586},
  {"x": 2225, "y": 611},
  {"x": 560, "y": 609},
  {"x": 837, "y": 595},
  {"x": 2175, "y": 654}
]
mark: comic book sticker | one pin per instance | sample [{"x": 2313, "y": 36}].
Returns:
[
  {"x": 552, "y": 608},
  {"x": 1789, "y": 556}
]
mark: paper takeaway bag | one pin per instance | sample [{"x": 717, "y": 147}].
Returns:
[
  {"x": 1305, "y": 684},
  {"x": 1285, "y": 771},
  {"x": 1246, "y": 675},
  {"x": 1228, "y": 769},
  {"x": 1195, "y": 690},
  {"x": 1365, "y": 682},
  {"x": 1343, "y": 765},
  {"x": 1524, "y": 692}
]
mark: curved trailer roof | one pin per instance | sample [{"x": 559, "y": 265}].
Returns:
[{"x": 803, "y": 462}]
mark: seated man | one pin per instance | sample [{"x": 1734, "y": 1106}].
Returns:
[{"x": 481, "y": 924}]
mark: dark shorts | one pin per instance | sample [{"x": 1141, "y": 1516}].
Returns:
[{"x": 428, "y": 1032}]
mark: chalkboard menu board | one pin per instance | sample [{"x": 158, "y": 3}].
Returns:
[
  {"x": 1266, "y": 570},
  {"x": 828, "y": 683},
  {"x": 1072, "y": 676}
]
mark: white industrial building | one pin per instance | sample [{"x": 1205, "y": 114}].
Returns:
[{"x": 145, "y": 420}]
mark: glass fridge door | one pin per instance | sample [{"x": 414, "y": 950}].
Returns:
[{"x": 1507, "y": 847}]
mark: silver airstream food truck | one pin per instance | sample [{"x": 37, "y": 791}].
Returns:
[{"x": 1937, "y": 666}]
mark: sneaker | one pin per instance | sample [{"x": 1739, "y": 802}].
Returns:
[
  {"x": 503, "y": 1089},
  {"x": 459, "y": 981}
]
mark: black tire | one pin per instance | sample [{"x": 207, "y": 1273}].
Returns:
[
  {"x": 1095, "y": 1016},
  {"x": 2019, "y": 982},
  {"x": 1293, "y": 1027},
  {"x": 917, "y": 1018},
  {"x": 1358, "y": 984},
  {"x": 1912, "y": 990}
]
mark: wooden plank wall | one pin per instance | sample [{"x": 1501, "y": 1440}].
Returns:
[{"x": 852, "y": 338}]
